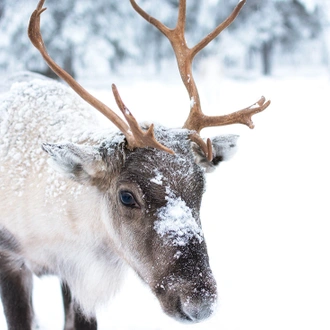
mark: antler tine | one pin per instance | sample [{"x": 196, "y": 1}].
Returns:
[
  {"x": 204, "y": 42},
  {"x": 146, "y": 138},
  {"x": 159, "y": 25},
  {"x": 243, "y": 116},
  {"x": 206, "y": 147},
  {"x": 135, "y": 136},
  {"x": 181, "y": 23}
]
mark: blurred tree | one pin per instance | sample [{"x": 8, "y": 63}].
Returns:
[
  {"x": 2, "y": 9},
  {"x": 16, "y": 49},
  {"x": 77, "y": 34},
  {"x": 102, "y": 35},
  {"x": 81, "y": 33},
  {"x": 264, "y": 24}
]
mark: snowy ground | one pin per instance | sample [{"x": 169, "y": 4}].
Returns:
[{"x": 265, "y": 214}]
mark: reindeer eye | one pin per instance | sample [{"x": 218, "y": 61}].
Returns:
[{"x": 128, "y": 199}]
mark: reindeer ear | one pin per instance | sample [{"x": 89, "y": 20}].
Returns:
[
  {"x": 224, "y": 147},
  {"x": 81, "y": 163}
]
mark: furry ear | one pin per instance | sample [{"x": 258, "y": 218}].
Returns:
[
  {"x": 83, "y": 164},
  {"x": 224, "y": 147}
]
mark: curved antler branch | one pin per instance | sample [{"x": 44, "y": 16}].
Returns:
[
  {"x": 204, "y": 42},
  {"x": 159, "y": 25},
  {"x": 135, "y": 136},
  {"x": 197, "y": 122},
  {"x": 206, "y": 147}
]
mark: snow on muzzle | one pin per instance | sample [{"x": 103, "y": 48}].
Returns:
[{"x": 187, "y": 289}]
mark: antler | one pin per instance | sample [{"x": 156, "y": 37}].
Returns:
[
  {"x": 135, "y": 136},
  {"x": 197, "y": 120}
]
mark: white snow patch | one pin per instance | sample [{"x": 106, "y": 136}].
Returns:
[
  {"x": 255, "y": 106},
  {"x": 192, "y": 102},
  {"x": 176, "y": 222},
  {"x": 177, "y": 254},
  {"x": 158, "y": 179}
]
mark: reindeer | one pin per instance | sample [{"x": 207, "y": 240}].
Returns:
[{"x": 110, "y": 199}]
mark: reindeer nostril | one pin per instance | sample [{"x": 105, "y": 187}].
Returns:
[
  {"x": 189, "y": 301},
  {"x": 197, "y": 311},
  {"x": 181, "y": 310}
]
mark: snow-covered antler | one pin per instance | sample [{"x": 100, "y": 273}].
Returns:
[{"x": 196, "y": 120}]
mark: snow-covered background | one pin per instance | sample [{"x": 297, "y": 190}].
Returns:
[
  {"x": 265, "y": 213},
  {"x": 266, "y": 35}
]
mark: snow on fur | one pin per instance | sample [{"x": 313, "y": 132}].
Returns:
[
  {"x": 176, "y": 222},
  {"x": 38, "y": 111},
  {"x": 23, "y": 114}
]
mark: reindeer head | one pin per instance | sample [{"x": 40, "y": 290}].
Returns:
[{"x": 152, "y": 180}]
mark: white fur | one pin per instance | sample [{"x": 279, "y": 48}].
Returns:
[{"x": 64, "y": 237}]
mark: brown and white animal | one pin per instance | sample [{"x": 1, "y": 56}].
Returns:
[{"x": 109, "y": 200}]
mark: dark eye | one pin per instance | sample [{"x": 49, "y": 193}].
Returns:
[{"x": 128, "y": 199}]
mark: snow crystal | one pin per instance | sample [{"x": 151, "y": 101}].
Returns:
[
  {"x": 177, "y": 255},
  {"x": 255, "y": 106},
  {"x": 176, "y": 222},
  {"x": 192, "y": 102},
  {"x": 158, "y": 179},
  {"x": 31, "y": 113}
]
